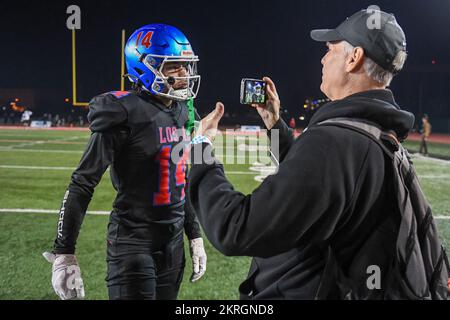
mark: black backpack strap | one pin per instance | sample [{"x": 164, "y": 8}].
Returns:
[
  {"x": 363, "y": 125},
  {"x": 386, "y": 140}
]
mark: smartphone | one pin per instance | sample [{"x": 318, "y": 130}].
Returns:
[{"x": 253, "y": 91}]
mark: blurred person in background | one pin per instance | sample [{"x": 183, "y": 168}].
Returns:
[{"x": 424, "y": 135}]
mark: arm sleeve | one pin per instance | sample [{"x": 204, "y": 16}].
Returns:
[
  {"x": 191, "y": 223},
  {"x": 104, "y": 144},
  {"x": 98, "y": 155},
  {"x": 281, "y": 139},
  {"x": 301, "y": 203}
]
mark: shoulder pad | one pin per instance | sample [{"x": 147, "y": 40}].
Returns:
[{"x": 106, "y": 111}]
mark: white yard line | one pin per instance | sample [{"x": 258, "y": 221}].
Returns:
[
  {"x": 241, "y": 172},
  {"x": 421, "y": 157},
  {"x": 26, "y": 144},
  {"x": 14, "y": 210},
  {"x": 220, "y": 156},
  {"x": 253, "y": 170},
  {"x": 73, "y": 168},
  {"x": 7, "y": 149},
  {"x": 437, "y": 176},
  {"x": 46, "y": 211},
  {"x": 442, "y": 217},
  {"x": 236, "y": 155},
  {"x": 32, "y": 143},
  {"x": 35, "y": 167},
  {"x": 32, "y": 134}
]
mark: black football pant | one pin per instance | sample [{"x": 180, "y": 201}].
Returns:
[{"x": 137, "y": 272}]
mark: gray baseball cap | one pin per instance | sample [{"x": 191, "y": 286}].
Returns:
[{"x": 377, "y": 32}]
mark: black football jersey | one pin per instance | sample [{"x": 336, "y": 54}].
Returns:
[{"x": 145, "y": 145}]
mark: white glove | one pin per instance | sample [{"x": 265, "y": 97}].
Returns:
[
  {"x": 66, "y": 276},
  {"x": 198, "y": 256}
]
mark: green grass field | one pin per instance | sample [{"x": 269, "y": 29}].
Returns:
[
  {"x": 35, "y": 168},
  {"x": 434, "y": 149}
]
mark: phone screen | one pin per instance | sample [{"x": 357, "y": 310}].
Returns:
[{"x": 254, "y": 91}]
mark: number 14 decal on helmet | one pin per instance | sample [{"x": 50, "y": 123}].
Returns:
[
  {"x": 146, "y": 41},
  {"x": 164, "y": 194}
]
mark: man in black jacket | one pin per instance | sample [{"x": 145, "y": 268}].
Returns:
[{"x": 329, "y": 206}]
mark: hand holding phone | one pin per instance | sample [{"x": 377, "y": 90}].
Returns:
[{"x": 270, "y": 109}]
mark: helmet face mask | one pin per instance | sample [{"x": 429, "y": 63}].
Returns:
[
  {"x": 162, "y": 44},
  {"x": 162, "y": 86}
]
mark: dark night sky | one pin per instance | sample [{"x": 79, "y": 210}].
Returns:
[{"x": 234, "y": 39}]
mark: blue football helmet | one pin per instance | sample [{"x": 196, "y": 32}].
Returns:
[{"x": 152, "y": 46}]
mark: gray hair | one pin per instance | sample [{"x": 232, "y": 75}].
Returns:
[{"x": 374, "y": 71}]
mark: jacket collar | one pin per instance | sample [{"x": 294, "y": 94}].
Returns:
[{"x": 376, "y": 106}]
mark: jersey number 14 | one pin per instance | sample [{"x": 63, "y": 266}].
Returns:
[{"x": 164, "y": 195}]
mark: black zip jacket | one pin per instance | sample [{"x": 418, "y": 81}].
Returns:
[{"x": 330, "y": 192}]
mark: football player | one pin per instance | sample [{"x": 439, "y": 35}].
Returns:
[
  {"x": 257, "y": 94},
  {"x": 140, "y": 134}
]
